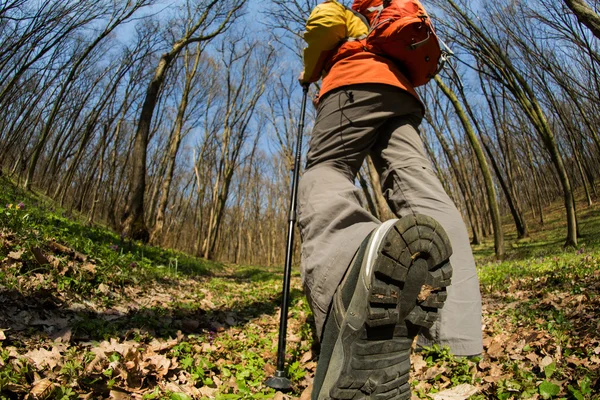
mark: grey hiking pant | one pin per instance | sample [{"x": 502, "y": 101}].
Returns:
[{"x": 381, "y": 120}]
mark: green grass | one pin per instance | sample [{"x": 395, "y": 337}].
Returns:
[
  {"x": 545, "y": 291},
  {"x": 116, "y": 259}
]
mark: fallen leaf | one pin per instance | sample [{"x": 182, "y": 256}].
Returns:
[
  {"x": 160, "y": 363},
  {"x": 495, "y": 379},
  {"x": 217, "y": 327},
  {"x": 118, "y": 395},
  {"x": 16, "y": 255},
  {"x": 2, "y": 336},
  {"x": 433, "y": 372},
  {"x": 230, "y": 320},
  {"x": 160, "y": 345},
  {"x": 42, "y": 389},
  {"x": 460, "y": 392},
  {"x": 114, "y": 346},
  {"x": 209, "y": 392},
  {"x": 91, "y": 268},
  {"x": 306, "y": 395},
  {"x": 278, "y": 396},
  {"x": 418, "y": 363},
  {"x": 546, "y": 361},
  {"x": 293, "y": 338},
  {"x": 269, "y": 369},
  {"x": 534, "y": 358},
  {"x": 104, "y": 289},
  {"x": 496, "y": 350},
  {"x": 39, "y": 256},
  {"x": 307, "y": 357},
  {"x": 62, "y": 336},
  {"x": 57, "y": 322},
  {"x": 42, "y": 357}
]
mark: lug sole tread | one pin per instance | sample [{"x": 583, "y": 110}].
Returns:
[{"x": 413, "y": 254}]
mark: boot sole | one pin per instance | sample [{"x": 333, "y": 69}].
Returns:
[{"x": 402, "y": 286}]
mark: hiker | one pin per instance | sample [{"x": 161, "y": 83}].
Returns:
[{"x": 373, "y": 286}]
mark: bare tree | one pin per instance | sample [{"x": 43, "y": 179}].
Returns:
[
  {"x": 486, "y": 47},
  {"x": 116, "y": 18},
  {"x": 194, "y": 90},
  {"x": 204, "y": 21},
  {"x": 487, "y": 175},
  {"x": 246, "y": 68}
]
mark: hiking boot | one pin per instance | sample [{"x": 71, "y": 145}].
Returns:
[{"x": 394, "y": 287}]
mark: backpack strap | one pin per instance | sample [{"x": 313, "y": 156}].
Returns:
[
  {"x": 360, "y": 16},
  {"x": 363, "y": 19}
]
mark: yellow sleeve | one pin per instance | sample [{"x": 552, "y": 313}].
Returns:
[{"x": 328, "y": 25}]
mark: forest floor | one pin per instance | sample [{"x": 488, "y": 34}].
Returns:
[{"x": 85, "y": 315}]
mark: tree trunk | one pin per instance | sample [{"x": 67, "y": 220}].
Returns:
[
  {"x": 487, "y": 175},
  {"x": 462, "y": 183},
  {"x": 383, "y": 210},
  {"x": 365, "y": 187},
  {"x": 586, "y": 15}
]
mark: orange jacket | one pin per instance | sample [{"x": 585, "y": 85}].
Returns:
[{"x": 341, "y": 62}]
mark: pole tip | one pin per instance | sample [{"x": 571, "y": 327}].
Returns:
[{"x": 279, "y": 382}]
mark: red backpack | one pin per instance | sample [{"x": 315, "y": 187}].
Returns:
[{"x": 402, "y": 30}]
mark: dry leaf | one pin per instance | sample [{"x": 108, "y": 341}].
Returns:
[
  {"x": 91, "y": 268},
  {"x": 209, "y": 392},
  {"x": 292, "y": 338},
  {"x": 269, "y": 369},
  {"x": 114, "y": 346},
  {"x": 62, "y": 336},
  {"x": 418, "y": 363},
  {"x": 2, "y": 335},
  {"x": 39, "y": 256},
  {"x": 433, "y": 372},
  {"x": 104, "y": 289},
  {"x": 278, "y": 396},
  {"x": 494, "y": 379},
  {"x": 118, "y": 395},
  {"x": 307, "y": 357},
  {"x": 16, "y": 255},
  {"x": 217, "y": 327},
  {"x": 56, "y": 322},
  {"x": 546, "y": 361},
  {"x": 307, "y": 393},
  {"x": 42, "y": 389},
  {"x": 160, "y": 345},
  {"x": 496, "y": 349},
  {"x": 42, "y": 357},
  {"x": 160, "y": 363},
  {"x": 460, "y": 392}
]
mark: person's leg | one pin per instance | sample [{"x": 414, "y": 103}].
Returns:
[
  {"x": 331, "y": 220},
  {"x": 383, "y": 293},
  {"x": 411, "y": 187}
]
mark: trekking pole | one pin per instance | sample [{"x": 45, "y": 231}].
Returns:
[{"x": 279, "y": 380}]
